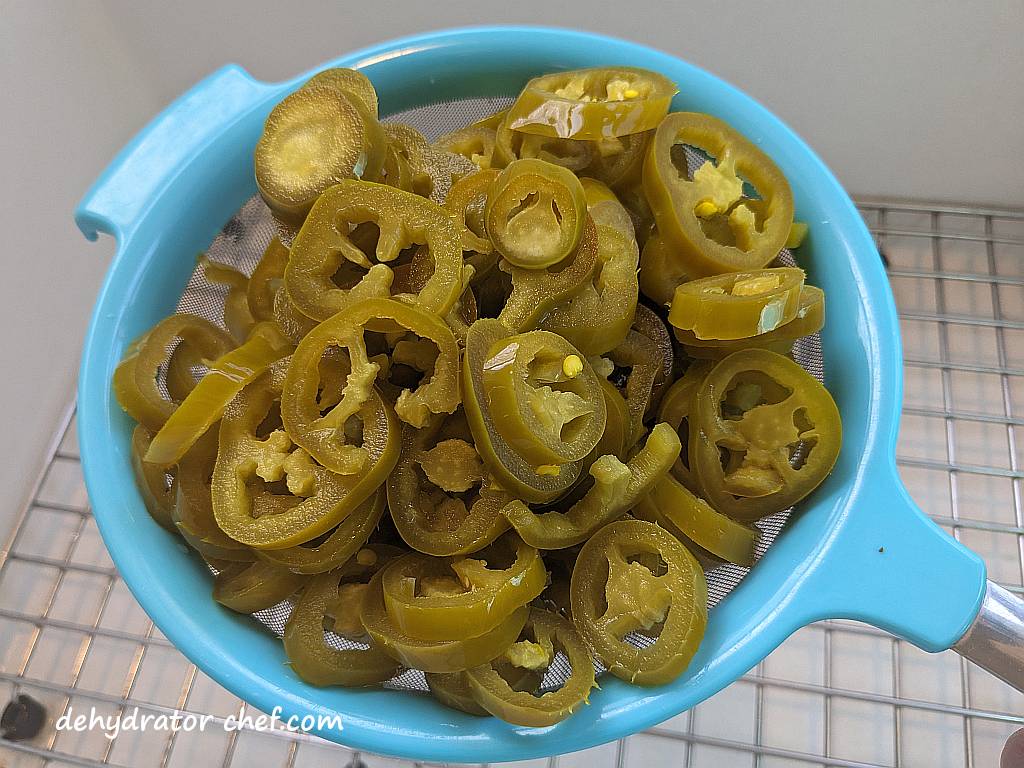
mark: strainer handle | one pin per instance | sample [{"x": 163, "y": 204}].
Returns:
[
  {"x": 146, "y": 167},
  {"x": 995, "y": 641}
]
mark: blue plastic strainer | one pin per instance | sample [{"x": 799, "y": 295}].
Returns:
[{"x": 857, "y": 549}]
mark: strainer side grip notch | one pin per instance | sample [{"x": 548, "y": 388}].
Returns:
[{"x": 144, "y": 170}]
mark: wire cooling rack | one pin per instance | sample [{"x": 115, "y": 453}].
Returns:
[{"x": 835, "y": 694}]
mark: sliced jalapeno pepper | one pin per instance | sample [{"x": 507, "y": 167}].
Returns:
[
  {"x": 598, "y": 103},
  {"x": 427, "y": 491},
  {"x": 452, "y": 689},
  {"x": 619, "y": 162},
  {"x": 543, "y": 397},
  {"x": 324, "y": 435},
  {"x": 291, "y": 321},
  {"x": 737, "y": 305},
  {"x": 510, "y": 145},
  {"x": 325, "y": 248},
  {"x": 432, "y": 170},
  {"x": 313, "y": 139},
  {"x": 467, "y": 201},
  {"x": 192, "y": 512},
  {"x": 249, "y": 503},
  {"x": 535, "y": 213},
  {"x": 350, "y": 82},
  {"x": 341, "y": 544},
  {"x": 446, "y": 599},
  {"x": 810, "y": 318},
  {"x": 676, "y": 409},
  {"x": 205, "y": 404},
  {"x": 617, "y": 488},
  {"x": 136, "y": 377},
  {"x": 642, "y": 360},
  {"x": 310, "y": 656},
  {"x": 634, "y": 199},
  {"x": 597, "y": 319},
  {"x": 266, "y": 279},
  {"x": 511, "y": 471},
  {"x": 436, "y": 655},
  {"x": 251, "y": 587},
  {"x": 614, "y": 594},
  {"x": 475, "y": 143},
  {"x": 679, "y": 511},
  {"x": 605, "y": 209},
  {"x": 661, "y": 271},
  {"x": 706, "y": 217},
  {"x": 535, "y": 292},
  {"x": 543, "y": 636},
  {"x": 237, "y": 317},
  {"x": 157, "y": 494},
  {"x": 767, "y": 434}
]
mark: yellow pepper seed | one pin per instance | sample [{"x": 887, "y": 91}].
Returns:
[
  {"x": 549, "y": 469},
  {"x": 705, "y": 209},
  {"x": 572, "y": 366}
]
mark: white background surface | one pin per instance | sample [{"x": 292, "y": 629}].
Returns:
[{"x": 916, "y": 99}]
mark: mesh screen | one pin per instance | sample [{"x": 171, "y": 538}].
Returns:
[{"x": 245, "y": 237}]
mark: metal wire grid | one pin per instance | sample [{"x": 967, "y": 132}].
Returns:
[{"x": 836, "y": 694}]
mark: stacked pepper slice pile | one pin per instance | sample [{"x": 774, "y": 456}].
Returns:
[{"x": 500, "y": 400}]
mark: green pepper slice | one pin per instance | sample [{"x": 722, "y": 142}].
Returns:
[
  {"x": 351, "y": 82},
  {"x": 324, "y": 435},
  {"x": 633, "y": 197},
  {"x": 452, "y": 689},
  {"x": 327, "y": 249},
  {"x": 510, "y": 471},
  {"x": 535, "y": 292},
  {"x": 544, "y": 398},
  {"x": 237, "y": 317},
  {"x": 617, "y": 488},
  {"x": 597, "y": 319},
  {"x": 313, "y": 139},
  {"x": 136, "y": 377},
  {"x": 706, "y": 216},
  {"x": 249, "y": 502},
  {"x": 810, "y": 318},
  {"x": 432, "y": 170},
  {"x": 767, "y": 434},
  {"x": 661, "y": 271},
  {"x": 267, "y": 277},
  {"x": 643, "y": 358},
  {"x": 452, "y": 655},
  {"x": 619, "y": 162},
  {"x": 446, "y": 599},
  {"x": 614, "y": 593},
  {"x": 544, "y": 634},
  {"x": 675, "y": 410},
  {"x": 341, "y": 544},
  {"x": 441, "y": 500},
  {"x": 192, "y": 512},
  {"x": 205, "y": 404},
  {"x": 672, "y": 505},
  {"x": 510, "y": 145},
  {"x": 737, "y": 305},
  {"x": 310, "y": 656},
  {"x": 598, "y": 103},
  {"x": 291, "y": 321},
  {"x": 474, "y": 142},
  {"x": 157, "y": 494},
  {"x": 535, "y": 213},
  {"x": 251, "y": 587},
  {"x": 467, "y": 201},
  {"x": 605, "y": 209}
]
